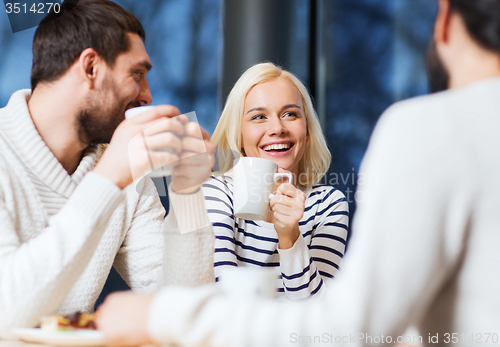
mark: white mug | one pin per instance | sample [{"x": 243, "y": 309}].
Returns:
[
  {"x": 249, "y": 281},
  {"x": 165, "y": 170},
  {"x": 254, "y": 180}
]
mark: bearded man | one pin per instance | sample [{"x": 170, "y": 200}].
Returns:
[
  {"x": 68, "y": 210},
  {"x": 425, "y": 249}
]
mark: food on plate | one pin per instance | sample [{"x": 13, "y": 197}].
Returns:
[{"x": 70, "y": 322}]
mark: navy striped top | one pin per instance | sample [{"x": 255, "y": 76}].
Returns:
[{"x": 316, "y": 255}]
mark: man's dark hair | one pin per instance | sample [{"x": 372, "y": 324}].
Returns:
[
  {"x": 80, "y": 24},
  {"x": 482, "y": 18}
]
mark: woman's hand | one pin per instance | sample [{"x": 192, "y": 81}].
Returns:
[
  {"x": 288, "y": 206},
  {"x": 123, "y": 319}
]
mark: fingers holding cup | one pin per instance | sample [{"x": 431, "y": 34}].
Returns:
[
  {"x": 164, "y": 142},
  {"x": 158, "y": 126},
  {"x": 195, "y": 162},
  {"x": 192, "y": 171},
  {"x": 288, "y": 204}
]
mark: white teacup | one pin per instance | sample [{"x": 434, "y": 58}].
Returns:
[
  {"x": 254, "y": 180},
  {"x": 249, "y": 281},
  {"x": 162, "y": 171}
]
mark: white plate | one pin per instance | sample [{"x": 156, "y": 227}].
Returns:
[{"x": 62, "y": 338}]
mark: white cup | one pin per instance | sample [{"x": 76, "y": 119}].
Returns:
[
  {"x": 254, "y": 180},
  {"x": 135, "y": 111},
  {"x": 249, "y": 281},
  {"x": 162, "y": 171}
]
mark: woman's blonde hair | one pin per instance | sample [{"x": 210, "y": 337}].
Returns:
[{"x": 227, "y": 135}]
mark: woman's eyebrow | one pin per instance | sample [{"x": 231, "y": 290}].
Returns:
[
  {"x": 264, "y": 109},
  {"x": 256, "y": 109},
  {"x": 290, "y": 106}
]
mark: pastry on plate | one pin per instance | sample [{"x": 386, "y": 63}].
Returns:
[{"x": 70, "y": 322}]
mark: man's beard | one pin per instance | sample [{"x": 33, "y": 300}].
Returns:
[
  {"x": 98, "y": 121},
  {"x": 439, "y": 78}
]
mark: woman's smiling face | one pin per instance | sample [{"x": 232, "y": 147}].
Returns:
[{"x": 274, "y": 124}]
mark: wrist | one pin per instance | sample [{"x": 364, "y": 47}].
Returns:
[
  {"x": 112, "y": 176},
  {"x": 190, "y": 190},
  {"x": 288, "y": 239}
]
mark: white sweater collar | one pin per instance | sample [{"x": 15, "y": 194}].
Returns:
[{"x": 17, "y": 127}]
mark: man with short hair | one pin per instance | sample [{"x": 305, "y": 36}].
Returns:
[
  {"x": 68, "y": 210},
  {"x": 425, "y": 249}
]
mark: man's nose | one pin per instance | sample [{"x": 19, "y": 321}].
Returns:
[{"x": 145, "y": 97}]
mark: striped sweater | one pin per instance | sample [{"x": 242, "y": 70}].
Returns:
[{"x": 316, "y": 255}]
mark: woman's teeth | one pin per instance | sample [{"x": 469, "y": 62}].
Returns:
[{"x": 276, "y": 147}]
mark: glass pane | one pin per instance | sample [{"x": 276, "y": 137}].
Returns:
[
  {"x": 374, "y": 53},
  {"x": 182, "y": 41}
]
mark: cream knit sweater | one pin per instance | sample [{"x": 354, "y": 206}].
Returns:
[
  {"x": 60, "y": 234},
  {"x": 425, "y": 249}
]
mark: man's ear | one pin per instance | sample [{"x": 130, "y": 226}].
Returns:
[
  {"x": 442, "y": 24},
  {"x": 88, "y": 66}
]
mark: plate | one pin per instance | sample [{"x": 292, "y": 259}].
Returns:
[{"x": 80, "y": 338}]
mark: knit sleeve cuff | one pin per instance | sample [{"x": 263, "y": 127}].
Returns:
[
  {"x": 172, "y": 317},
  {"x": 295, "y": 258},
  {"x": 190, "y": 210},
  {"x": 194, "y": 317},
  {"x": 96, "y": 196}
]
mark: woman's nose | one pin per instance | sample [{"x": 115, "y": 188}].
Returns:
[{"x": 275, "y": 126}]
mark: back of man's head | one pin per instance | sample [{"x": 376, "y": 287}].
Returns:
[
  {"x": 62, "y": 37},
  {"x": 482, "y": 18}
]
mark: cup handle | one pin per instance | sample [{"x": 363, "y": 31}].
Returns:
[{"x": 281, "y": 175}]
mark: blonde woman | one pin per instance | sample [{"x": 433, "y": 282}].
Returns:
[{"x": 269, "y": 114}]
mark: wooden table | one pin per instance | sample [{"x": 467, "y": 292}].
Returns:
[{"x": 4, "y": 343}]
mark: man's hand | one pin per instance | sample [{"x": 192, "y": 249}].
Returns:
[
  {"x": 288, "y": 206},
  {"x": 123, "y": 318},
  {"x": 135, "y": 147},
  {"x": 196, "y": 160}
]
